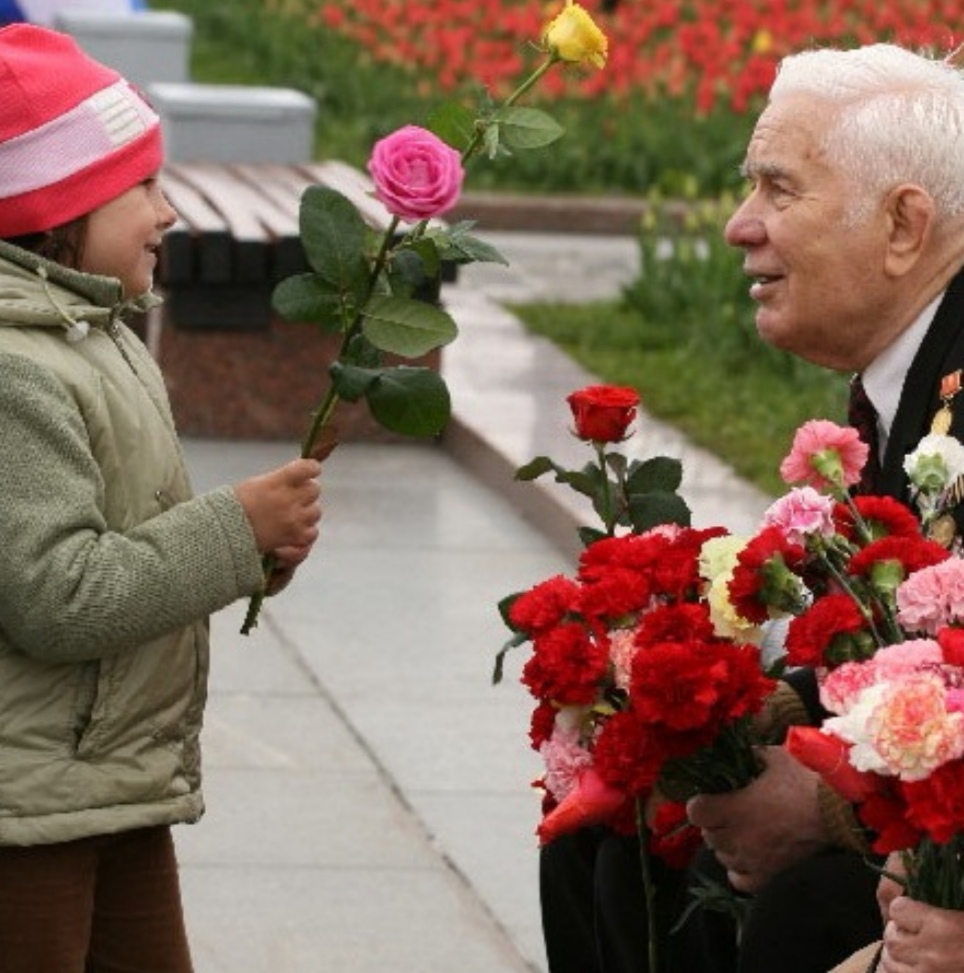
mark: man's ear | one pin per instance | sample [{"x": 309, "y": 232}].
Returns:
[{"x": 910, "y": 222}]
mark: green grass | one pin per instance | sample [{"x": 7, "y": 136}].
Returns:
[{"x": 737, "y": 405}]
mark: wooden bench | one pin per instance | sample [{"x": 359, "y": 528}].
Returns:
[
  {"x": 233, "y": 368},
  {"x": 238, "y": 236}
]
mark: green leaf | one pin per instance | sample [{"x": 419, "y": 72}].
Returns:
[
  {"x": 535, "y": 468},
  {"x": 359, "y": 351},
  {"x": 406, "y": 327},
  {"x": 616, "y": 462},
  {"x": 352, "y": 382},
  {"x": 307, "y": 297},
  {"x": 528, "y": 128},
  {"x": 414, "y": 264},
  {"x": 647, "y": 510},
  {"x": 499, "y": 668},
  {"x": 658, "y": 473},
  {"x": 589, "y": 535},
  {"x": 410, "y": 401},
  {"x": 583, "y": 482},
  {"x": 453, "y": 123},
  {"x": 333, "y": 236},
  {"x": 458, "y": 245}
]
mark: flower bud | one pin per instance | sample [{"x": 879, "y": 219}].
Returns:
[
  {"x": 603, "y": 412},
  {"x": 573, "y": 37}
]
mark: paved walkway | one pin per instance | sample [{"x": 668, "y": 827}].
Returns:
[{"x": 368, "y": 799}]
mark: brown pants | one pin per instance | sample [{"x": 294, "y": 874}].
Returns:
[{"x": 106, "y": 904}]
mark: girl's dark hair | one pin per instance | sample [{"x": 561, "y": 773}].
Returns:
[{"x": 63, "y": 244}]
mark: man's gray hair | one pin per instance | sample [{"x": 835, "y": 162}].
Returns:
[{"x": 896, "y": 117}]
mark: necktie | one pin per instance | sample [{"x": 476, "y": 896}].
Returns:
[{"x": 862, "y": 415}]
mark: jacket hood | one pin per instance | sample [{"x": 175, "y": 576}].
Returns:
[{"x": 37, "y": 292}]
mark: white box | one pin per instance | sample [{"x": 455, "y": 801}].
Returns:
[
  {"x": 234, "y": 123},
  {"x": 145, "y": 46}
]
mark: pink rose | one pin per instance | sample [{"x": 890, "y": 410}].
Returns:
[
  {"x": 802, "y": 513},
  {"x": 417, "y": 176}
]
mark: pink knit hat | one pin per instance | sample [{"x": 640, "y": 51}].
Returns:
[{"x": 73, "y": 133}]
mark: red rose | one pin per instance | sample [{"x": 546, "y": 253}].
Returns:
[{"x": 603, "y": 412}]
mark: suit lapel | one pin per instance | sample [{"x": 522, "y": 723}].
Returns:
[{"x": 941, "y": 352}]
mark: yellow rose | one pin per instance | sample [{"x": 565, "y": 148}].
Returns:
[{"x": 572, "y": 36}]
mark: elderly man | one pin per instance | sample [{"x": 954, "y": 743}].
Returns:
[{"x": 853, "y": 234}]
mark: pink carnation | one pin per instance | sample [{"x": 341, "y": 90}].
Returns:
[
  {"x": 622, "y": 648},
  {"x": 417, "y": 175},
  {"x": 840, "y": 689},
  {"x": 565, "y": 758},
  {"x": 932, "y": 597},
  {"x": 802, "y": 513},
  {"x": 821, "y": 452},
  {"x": 912, "y": 730}
]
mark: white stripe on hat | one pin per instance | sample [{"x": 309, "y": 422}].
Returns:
[{"x": 97, "y": 127}]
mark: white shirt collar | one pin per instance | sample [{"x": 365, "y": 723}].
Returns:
[{"x": 884, "y": 377}]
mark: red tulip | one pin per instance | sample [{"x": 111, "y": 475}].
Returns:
[
  {"x": 829, "y": 756},
  {"x": 591, "y": 801}
]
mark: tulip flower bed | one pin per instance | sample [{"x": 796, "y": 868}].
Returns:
[
  {"x": 724, "y": 51},
  {"x": 672, "y": 109}
]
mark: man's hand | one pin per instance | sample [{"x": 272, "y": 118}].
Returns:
[
  {"x": 921, "y": 938},
  {"x": 767, "y": 826}
]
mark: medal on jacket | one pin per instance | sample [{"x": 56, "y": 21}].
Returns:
[{"x": 950, "y": 386}]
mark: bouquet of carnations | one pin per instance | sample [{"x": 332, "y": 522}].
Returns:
[
  {"x": 639, "y": 696},
  {"x": 876, "y": 606}
]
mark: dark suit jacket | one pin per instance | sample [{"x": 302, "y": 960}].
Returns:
[{"x": 940, "y": 353}]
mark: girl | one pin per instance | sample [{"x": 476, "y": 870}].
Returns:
[{"x": 109, "y": 567}]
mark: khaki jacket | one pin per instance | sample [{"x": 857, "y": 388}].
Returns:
[{"x": 108, "y": 569}]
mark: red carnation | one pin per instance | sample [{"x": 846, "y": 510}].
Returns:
[
  {"x": 543, "y": 606},
  {"x": 951, "y": 640},
  {"x": 908, "y": 554},
  {"x": 613, "y": 592},
  {"x": 766, "y": 576},
  {"x": 883, "y": 516},
  {"x": 627, "y": 754},
  {"x": 541, "y": 724},
  {"x": 831, "y": 631},
  {"x": 884, "y": 813},
  {"x": 566, "y": 665},
  {"x": 935, "y": 804},
  {"x": 675, "y": 623}
]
